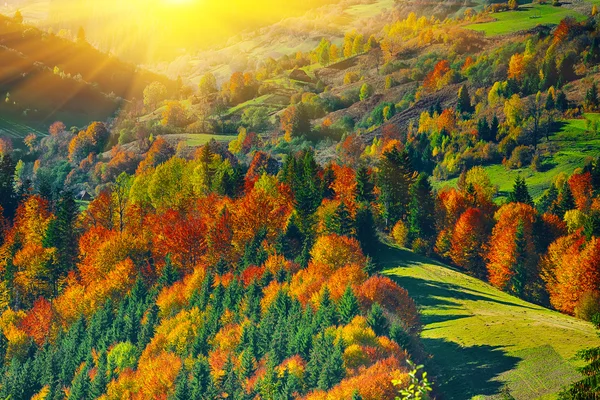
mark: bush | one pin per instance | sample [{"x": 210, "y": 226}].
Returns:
[
  {"x": 589, "y": 305},
  {"x": 521, "y": 156},
  {"x": 351, "y": 77},
  {"x": 400, "y": 234}
]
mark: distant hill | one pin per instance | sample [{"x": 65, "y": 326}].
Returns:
[{"x": 44, "y": 78}]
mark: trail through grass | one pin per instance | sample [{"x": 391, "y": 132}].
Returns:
[{"x": 484, "y": 341}]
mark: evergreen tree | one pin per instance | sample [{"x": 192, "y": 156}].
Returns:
[
  {"x": 494, "y": 128},
  {"x": 588, "y": 387},
  {"x": 364, "y": 185},
  {"x": 484, "y": 131},
  {"x": 565, "y": 201},
  {"x": 548, "y": 200},
  {"x": 464, "y": 101},
  {"x": 248, "y": 364},
  {"x": 81, "y": 385},
  {"x": 182, "y": 391},
  {"x": 348, "y": 306},
  {"x": 366, "y": 233},
  {"x": 520, "y": 192},
  {"x": 421, "y": 219},
  {"x": 591, "y": 97},
  {"x": 8, "y": 197},
  {"x": 98, "y": 386},
  {"x": 562, "y": 104},
  {"x": 346, "y": 225},
  {"x": 377, "y": 320},
  {"x": 326, "y": 314},
  {"x": 519, "y": 279},
  {"x": 169, "y": 274},
  {"x": 394, "y": 180},
  {"x": 333, "y": 370},
  {"x": 200, "y": 379}
]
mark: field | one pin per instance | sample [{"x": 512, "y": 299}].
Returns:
[
  {"x": 485, "y": 342},
  {"x": 15, "y": 130},
  {"x": 572, "y": 147},
  {"x": 200, "y": 139},
  {"x": 526, "y": 17}
]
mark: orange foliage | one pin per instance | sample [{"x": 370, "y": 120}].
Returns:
[
  {"x": 334, "y": 251},
  {"x": 38, "y": 322},
  {"x": 582, "y": 189},
  {"x": 573, "y": 271},
  {"x": 447, "y": 121},
  {"x": 373, "y": 383},
  {"x": 388, "y": 294},
  {"x": 468, "y": 240},
  {"x": 502, "y": 253},
  {"x": 434, "y": 77}
]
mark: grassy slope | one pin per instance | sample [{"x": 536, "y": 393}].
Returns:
[
  {"x": 574, "y": 147},
  {"x": 483, "y": 340},
  {"x": 527, "y": 17}
]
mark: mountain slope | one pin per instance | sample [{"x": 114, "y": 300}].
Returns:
[{"x": 485, "y": 342}]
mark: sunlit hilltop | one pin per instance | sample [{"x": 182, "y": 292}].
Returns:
[{"x": 144, "y": 30}]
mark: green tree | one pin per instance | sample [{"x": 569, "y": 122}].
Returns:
[
  {"x": 394, "y": 180},
  {"x": 208, "y": 84},
  {"x": 377, "y": 320},
  {"x": 421, "y": 219},
  {"x": 348, "y": 306},
  {"x": 464, "y": 101},
  {"x": 520, "y": 192},
  {"x": 366, "y": 91}
]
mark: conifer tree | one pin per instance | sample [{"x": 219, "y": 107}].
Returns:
[
  {"x": 494, "y": 128},
  {"x": 464, "y": 101},
  {"x": 344, "y": 219},
  {"x": 364, "y": 185},
  {"x": 394, "y": 180},
  {"x": 377, "y": 320},
  {"x": 421, "y": 219},
  {"x": 348, "y": 306},
  {"x": 520, "y": 192},
  {"x": 182, "y": 391}
]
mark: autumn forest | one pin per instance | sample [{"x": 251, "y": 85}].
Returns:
[{"x": 352, "y": 199}]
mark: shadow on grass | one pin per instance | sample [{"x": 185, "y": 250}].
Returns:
[{"x": 465, "y": 372}]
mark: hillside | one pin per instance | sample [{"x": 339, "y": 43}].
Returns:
[
  {"x": 45, "y": 78},
  {"x": 484, "y": 342}
]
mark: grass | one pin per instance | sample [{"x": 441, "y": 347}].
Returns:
[
  {"x": 200, "y": 139},
  {"x": 526, "y": 17},
  {"x": 573, "y": 145},
  {"x": 484, "y": 341},
  {"x": 16, "y": 130}
]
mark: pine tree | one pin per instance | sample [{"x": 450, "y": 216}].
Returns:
[
  {"x": 377, "y": 320},
  {"x": 200, "y": 380},
  {"x": 464, "y": 101},
  {"x": 565, "y": 201},
  {"x": 494, "y": 128},
  {"x": 364, "y": 185},
  {"x": 346, "y": 225},
  {"x": 182, "y": 391},
  {"x": 326, "y": 314},
  {"x": 547, "y": 202},
  {"x": 348, "y": 306},
  {"x": 483, "y": 130},
  {"x": 562, "y": 104},
  {"x": 81, "y": 385},
  {"x": 421, "y": 219},
  {"x": 169, "y": 274},
  {"x": 100, "y": 381},
  {"x": 394, "y": 180},
  {"x": 8, "y": 197},
  {"x": 520, "y": 192},
  {"x": 588, "y": 387},
  {"x": 366, "y": 233},
  {"x": 518, "y": 281},
  {"x": 333, "y": 370},
  {"x": 591, "y": 97},
  {"x": 248, "y": 364}
]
